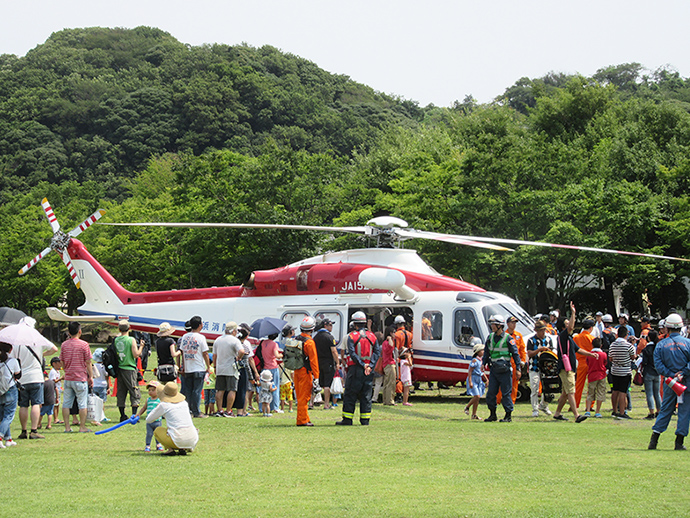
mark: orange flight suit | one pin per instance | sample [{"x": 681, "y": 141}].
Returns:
[
  {"x": 583, "y": 341},
  {"x": 403, "y": 338},
  {"x": 522, "y": 351},
  {"x": 642, "y": 343},
  {"x": 304, "y": 380}
]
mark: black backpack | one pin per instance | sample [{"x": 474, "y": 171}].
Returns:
[
  {"x": 111, "y": 361},
  {"x": 259, "y": 356}
]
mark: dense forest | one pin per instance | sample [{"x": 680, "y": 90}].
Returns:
[{"x": 150, "y": 129}]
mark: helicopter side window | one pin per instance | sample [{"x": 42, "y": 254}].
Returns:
[
  {"x": 334, "y": 317},
  {"x": 465, "y": 329},
  {"x": 432, "y": 325},
  {"x": 302, "y": 279}
]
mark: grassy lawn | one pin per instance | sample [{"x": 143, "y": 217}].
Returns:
[{"x": 424, "y": 460}]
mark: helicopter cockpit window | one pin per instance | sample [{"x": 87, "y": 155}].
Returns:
[
  {"x": 465, "y": 329},
  {"x": 432, "y": 325},
  {"x": 525, "y": 324}
]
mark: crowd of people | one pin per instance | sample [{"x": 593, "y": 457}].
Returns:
[{"x": 299, "y": 365}]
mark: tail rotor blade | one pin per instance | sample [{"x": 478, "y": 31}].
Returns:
[
  {"x": 33, "y": 261},
  {"x": 70, "y": 267},
  {"x": 50, "y": 215},
  {"x": 86, "y": 223}
]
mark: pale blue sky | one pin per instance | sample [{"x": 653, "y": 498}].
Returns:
[{"x": 431, "y": 52}]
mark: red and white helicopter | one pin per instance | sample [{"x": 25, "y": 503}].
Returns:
[{"x": 447, "y": 315}]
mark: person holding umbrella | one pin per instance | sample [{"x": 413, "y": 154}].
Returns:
[{"x": 29, "y": 346}]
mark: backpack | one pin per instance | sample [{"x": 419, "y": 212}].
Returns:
[
  {"x": 4, "y": 382},
  {"x": 111, "y": 361},
  {"x": 259, "y": 357},
  {"x": 293, "y": 355}
]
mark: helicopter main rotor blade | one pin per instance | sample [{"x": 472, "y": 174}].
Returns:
[
  {"x": 448, "y": 238},
  {"x": 358, "y": 230},
  {"x": 33, "y": 261},
  {"x": 86, "y": 223},
  {"x": 52, "y": 219},
  {"x": 519, "y": 242}
]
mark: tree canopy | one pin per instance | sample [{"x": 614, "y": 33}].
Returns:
[{"x": 150, "y": 129}]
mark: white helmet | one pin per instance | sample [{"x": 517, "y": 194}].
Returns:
[
  {"x": 608, "y": 319},
  {"x": 498, "y": 320},
  {"x": 399, "y": 319},
  {"x": 674, "y": 321},
  {"x": 359, "y": 317},
  {"x": 662, "y": 323},
  {"x": 307, "y": 324}
]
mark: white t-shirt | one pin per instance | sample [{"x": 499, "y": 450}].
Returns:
[
  {"x": 193, "y": 345},
  {"x": 99, "y": 375},
  {"x": 32, "y": 369},
  {"x": 9, "y": 371},
  {"x": 181, "y": 429},
  {"x": 225, "y": 351},
  {"x": 54, "y": 375}
]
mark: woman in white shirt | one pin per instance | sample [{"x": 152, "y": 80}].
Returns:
[
  {"x": 9, "y": 370},
  {"x": 180, "y": 435}
]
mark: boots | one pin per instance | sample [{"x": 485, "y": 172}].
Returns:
[
  {"x": 508, "y": 418},
  {"x": 123, "y": 416},
  {"x": 492, "y": 417},
  {"x": 679, "y": 442},
  {"x": 134, "y": 410},
  {"x": 653, "y": 441},
  {"x": 364, "y": 422},
  {"x": 346, "y": 421}
]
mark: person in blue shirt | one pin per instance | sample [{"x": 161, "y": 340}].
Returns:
[{"x": 672, "y": 359}]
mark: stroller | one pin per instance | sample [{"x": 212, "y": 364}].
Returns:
[{"x": 548, "y": 367}]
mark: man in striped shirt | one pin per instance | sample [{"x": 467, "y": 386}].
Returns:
[
  {"x": 75, "y": 355},
  {"x": 621, "y": 354}
]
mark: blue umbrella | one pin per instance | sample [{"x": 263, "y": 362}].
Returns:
[{"x": 267, "y": 326}]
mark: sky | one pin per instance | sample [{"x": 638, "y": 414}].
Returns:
[{"x": 433, "y": 51}]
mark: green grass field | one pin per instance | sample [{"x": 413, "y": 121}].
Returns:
[{"x": 424, "y": 460}]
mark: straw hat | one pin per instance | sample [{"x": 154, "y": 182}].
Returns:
[
  {"x": 170, "y": 393},
  {"x": 165, "y": 329},
  {"x": 477, "y": 348}
]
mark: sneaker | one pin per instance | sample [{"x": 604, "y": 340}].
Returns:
[
  {"x": 279, "y": 411},
  {"x": 624, "y": 416},
  {"x": 649, "y": 416},
  {"x": 560, "y": 418},
  {"x": 587, "y": 414},
  {"x": 159, "y": 447},
  {"x": 229, "y": 414},
  {"x": 147, "y": 449},
  {"x": 220, "y": 413},
  {"x": 546, "y": 411},
  {"x": 535, "y": 413},
  {"x": 598, "y": 415},
  {"x": 268, "y": 415},
  {"x": 2, "y": 445},
  {"x": 10, "y": 442},
  {"x": 34, "y": 435},
  {"x": 23, "y": 435}
]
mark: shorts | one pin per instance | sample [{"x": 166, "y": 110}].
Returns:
[
  {"x": 621, "y": 383},
  {"x": 226, "y": 383},
  {"x": 596, "y": 390},
  {"x": 286, "y": 392},
  {"x": 567, "y": 381},
  {"x": 209, "y": 396},
  {"x": 78, "y": 390},
  {"x": 47, "y": 409},
  {"x": 31, "y": 393},
  {"x": 326, "y": 375}
]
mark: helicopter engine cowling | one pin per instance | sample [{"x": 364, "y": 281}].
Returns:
[{"x": 387, "y": 279}]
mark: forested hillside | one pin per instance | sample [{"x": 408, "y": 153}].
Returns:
[{"x": 149, "y": 129}]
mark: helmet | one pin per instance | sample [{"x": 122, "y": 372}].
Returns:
[
  {"x": 623, "y": 315},
  {"x": 607, "y": 319},
  {"x": 554, "y": 313},
  {"x": 498, "y": 320},
  {"x": 662, "y": 323},
  {"x": 359, "y": 317},
  {"x": 674, "y": 321},
  {"x": 307, "y": 324},
  {"x": 399, "y": 319}
]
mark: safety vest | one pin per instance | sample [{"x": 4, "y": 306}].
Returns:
[
  {"x": 364, "y": 346},
  {"x": 500, "y": 349}
]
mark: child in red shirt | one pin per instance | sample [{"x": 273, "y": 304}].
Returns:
[{"x": 596, "y": 378}]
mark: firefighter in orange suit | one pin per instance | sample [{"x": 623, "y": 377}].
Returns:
[
  {"x": 584, "y": 341},
  {"x": 511, "y": 322},
  {"x": 363, "y": 352},
  {"x": 304, "y": 377}
]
